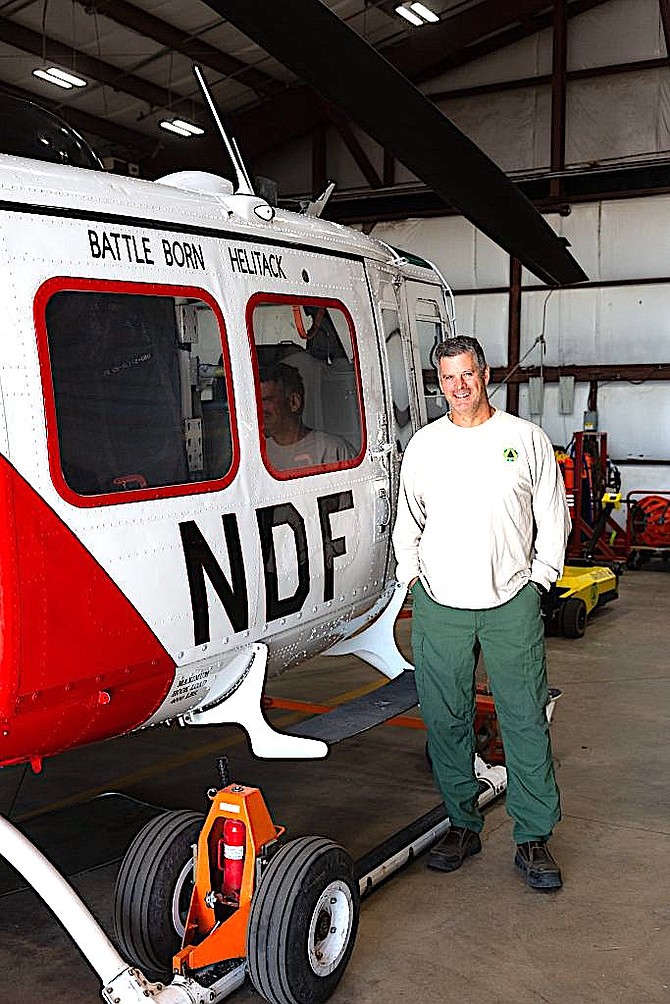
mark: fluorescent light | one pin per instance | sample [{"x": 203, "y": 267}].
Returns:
[
  {"x": 43, "y": 75},
  {"x": 194, "y": 130},
  {"x": 424, "y": 12},
  {"x": 60, "y": 78},
  {"x": 69, "y": 78},
  {"x": 171, "y": 127},
  {"x": 409, "y": 16}
]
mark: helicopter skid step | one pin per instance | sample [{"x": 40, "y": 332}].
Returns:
[{"x": 362, "y": 713}]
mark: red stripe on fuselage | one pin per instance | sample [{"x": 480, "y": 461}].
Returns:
[{"x": 77, "y": 662}]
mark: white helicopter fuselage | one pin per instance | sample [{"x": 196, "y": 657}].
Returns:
[{"x": 135, "y": 598}]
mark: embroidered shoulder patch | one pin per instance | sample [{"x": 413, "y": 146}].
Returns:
[{"x": 510, "y": 454}]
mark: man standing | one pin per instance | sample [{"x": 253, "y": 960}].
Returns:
[{"x": 480, "y": 534}]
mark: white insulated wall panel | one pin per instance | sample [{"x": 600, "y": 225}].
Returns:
[
  {"x": 531, "y": 57},
  {"x": 617, "y": 117},
  {"x": 642, "y": 480},
  {"x": 626, "y": 325},
  {"x": 523, "y": 142},
  {"x": 341, "y": 166},
  {"x": 486, "y": 317},
  {"x": 634, "y": 238},
  {"x": 632, "y": 30},
  {"x": 637, "y": 419},
  {"x": 620, "y": 31},
  {"x": 290, "y": 166},
  {"x": 466, "y": 258}
]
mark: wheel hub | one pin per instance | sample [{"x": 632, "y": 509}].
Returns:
[
  {"x": 330, "y": 928},
  {"x": 181, "y": 898}
]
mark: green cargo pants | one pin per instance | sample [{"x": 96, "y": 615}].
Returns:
[{"x": 445, "y": 641}]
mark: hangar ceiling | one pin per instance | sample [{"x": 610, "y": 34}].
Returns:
[{"x": 136, "y": 59}]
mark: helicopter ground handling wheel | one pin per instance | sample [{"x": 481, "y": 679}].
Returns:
[
  {"x": 572, "y": 617},
  {"x": 303, "y": 922},
  {"x": 153, "y": 891},
  {"x": 285, "y": 914}
]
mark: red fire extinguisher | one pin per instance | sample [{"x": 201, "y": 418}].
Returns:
[{"x": 231, "y": 849}]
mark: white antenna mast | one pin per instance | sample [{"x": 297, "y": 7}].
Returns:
[{"x": 244, "y": 186}]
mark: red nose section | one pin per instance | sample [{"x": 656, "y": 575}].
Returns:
[{"x": 77, "y": 661}]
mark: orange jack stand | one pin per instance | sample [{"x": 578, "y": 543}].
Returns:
[{"x": 216, "y": 925}]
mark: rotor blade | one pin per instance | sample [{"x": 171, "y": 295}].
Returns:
[{"x": 311, "y": 41}]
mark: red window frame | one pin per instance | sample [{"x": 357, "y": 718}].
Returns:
[
  {"x": 60, "y": 284},
  {"x": 311, "y": 301}
]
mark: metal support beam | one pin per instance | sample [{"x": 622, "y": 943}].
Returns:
[
  {"x": 513, "y": 333},
  {"x": 389, "y": 169},
  {"x": 558, "y": 93},
  {"x": 664, "y": 7},
  {"x": 635, "y": 373},
  {"x": 319, "y": 160}
]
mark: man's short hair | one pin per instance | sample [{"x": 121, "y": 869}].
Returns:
[
  {"x": 288, "y": 378},
  {"x": 458, "y": 345}
]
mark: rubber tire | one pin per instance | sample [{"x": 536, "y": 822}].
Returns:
[
  {"x": 573, "y": 617},
  {"x": 145, "y": 890},
  {"x": 282, "y": 910}
]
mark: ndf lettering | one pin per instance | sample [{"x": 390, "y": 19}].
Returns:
[{"x": 202, "y": 564}]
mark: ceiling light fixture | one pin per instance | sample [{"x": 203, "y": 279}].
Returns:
[
  {"x": 190, "y": 127},
  {"x": 417, "y": 14},
  {"x": 61, "y": 78},
  {"x": 180, "y": 127},
  {"x": 424, "y": 12},
  {"x": 409, "y": 15},
  {"x": 171, "y": 127}
]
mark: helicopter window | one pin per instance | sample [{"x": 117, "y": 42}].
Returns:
[
  {"x": 430, "y": 332},
  {"x": 402, "y": 419},
  {"x": 309, "y": 400},
  {"x": 140, "y": 391}
]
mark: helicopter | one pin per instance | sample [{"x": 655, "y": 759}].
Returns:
[{"x": 205, "y": 400}]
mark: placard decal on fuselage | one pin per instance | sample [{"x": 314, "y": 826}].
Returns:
[
  {"x": 190, "y": 685},
  {"x": 200, "y": 561}
]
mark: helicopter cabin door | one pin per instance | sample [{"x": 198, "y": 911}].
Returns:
[
  {"x": 430, "y": 323},
  {"x": 324, "y": 436},
  {"x": 404, "y": 412}
]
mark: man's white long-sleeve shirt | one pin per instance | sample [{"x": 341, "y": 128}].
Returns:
[{"x": 481, "y": 511}]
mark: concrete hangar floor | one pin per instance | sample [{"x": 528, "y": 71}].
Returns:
[{"x": 476, "y": 935}]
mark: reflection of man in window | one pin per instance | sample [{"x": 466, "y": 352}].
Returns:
[{"x": 289, "y": 442}]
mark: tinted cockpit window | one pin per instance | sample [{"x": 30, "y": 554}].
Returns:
[
  {"x": 139, "y": 391},
  {"x": 309, "y": 402}
]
